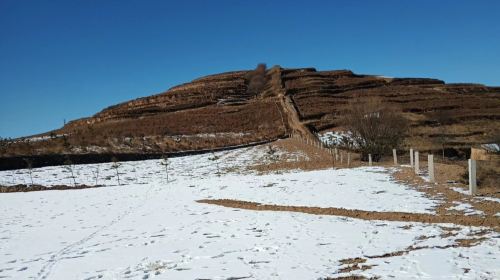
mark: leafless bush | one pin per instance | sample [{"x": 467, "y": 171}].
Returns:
[
  {"x": 96, "y": 173},
  {"x": 69, "y": 166},
  {"x": 29, "y": 165},
  {"x": 272, "y": 154},
  {"x": 164, "y": 162},
  {"x": 442, "y": 118},
  {"x": 375, "y": 128},
  {"x": 116, "y": 165},
  {"x": 215, "y": 159}
]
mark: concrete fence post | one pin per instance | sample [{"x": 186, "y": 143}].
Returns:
[
  {"x": 416, "y": 161},
  {"x": 411, "y": 157},
  {"x": 370, "y": 159},
  {"x": 472, "y": 177},
  {"x": 430, "y": 166},
  {"x": 395, "y": 156}
]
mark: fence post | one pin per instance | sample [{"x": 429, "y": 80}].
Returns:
[
  {"x": 370, "y": 159},
  {"x": 348, "y": 159},
  {"x": 341, "y": 158},
  {"x": 417, "y": 162},
  {"x": 472, "y": 177},
  {"x": 411, "y": 157},
  {"x": 395, "y": 156},
  {"x": 430, "y": 166}
]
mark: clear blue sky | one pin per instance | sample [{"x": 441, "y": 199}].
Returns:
[{"x": 69, "y": 59}]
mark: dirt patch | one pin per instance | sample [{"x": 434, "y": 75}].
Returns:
[
  {"x": 442, "y": 189},
  {"x": 355, "y": 267},
  {"x": 351, "y": 277},
  {"x": 311, "y": 158},
  {"x": 36, "y": 188},
  {"x": 354, "y": 264},
  {"x": 489, "y": 221}
]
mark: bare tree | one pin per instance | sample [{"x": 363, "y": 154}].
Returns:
[
  {"x": 375, "y": 128},
  {"x": 29, "y": 165},
  {"x": 442, "y": 118},
  {"x": 96, "y": 174},
  {"x": 164, "y": 161},
  {"x": 69, "y": 166},
  {"x": 332, "y": 144},
  {"x": 116, "y": 165},
  {"x": 215, "y": 159}
]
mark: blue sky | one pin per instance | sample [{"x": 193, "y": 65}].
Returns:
[{"x": 69, "y": 59}]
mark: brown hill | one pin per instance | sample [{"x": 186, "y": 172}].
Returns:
[{"x": 243, "y": 107}]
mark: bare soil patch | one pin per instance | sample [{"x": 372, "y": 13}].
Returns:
[
  {"x": 488, "y": 221},
  {"x": 446, "y": 175},
  {"x": 312, "y": 158},
  {"x": 36, "y": 188}
]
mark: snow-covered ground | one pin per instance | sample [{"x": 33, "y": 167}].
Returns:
[{"x": 150, "y": 228}]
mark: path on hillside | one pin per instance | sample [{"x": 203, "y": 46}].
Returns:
[{"x": 288, "y": 106}]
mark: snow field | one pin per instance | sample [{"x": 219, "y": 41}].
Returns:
[{"x": 151, "y": 228}]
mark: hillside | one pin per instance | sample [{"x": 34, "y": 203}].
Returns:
[{"x": 226, "y": 110}]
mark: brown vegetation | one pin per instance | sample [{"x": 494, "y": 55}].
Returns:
[{"x": 376, "y": 128}]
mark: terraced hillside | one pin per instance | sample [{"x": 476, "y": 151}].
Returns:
[
  {"x": 226, "y": 110},
  {"x": 459, "y": 115}
]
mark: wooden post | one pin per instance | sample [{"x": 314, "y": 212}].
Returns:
[
  {"x": 430, "y": 167},
  {"x": 395, "y": 156},
  {"x": 472, "y": 177},
  {"x": 411, "y": 157},
  {"x": 370, "y": 159},
  {"x": 341, "y": 158},
  {"x": 348, "y": 159},
  {"x": 416, "y": 162}
]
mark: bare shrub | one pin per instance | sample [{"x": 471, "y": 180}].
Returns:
[
  {"x": 215, "y": 158},
  {"x": 272, "y": 154},
  {"x": 96, "y": 174},
  {"x": 29, "y": 165},
  {"x": 442, "y": 118},
  {"x": 116, "y": 165},
  {"x": 376, "y": 128},
  {"x": 69, "y": 166},
  {"x": 164, "y": 161}
]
